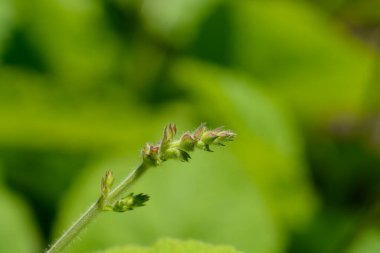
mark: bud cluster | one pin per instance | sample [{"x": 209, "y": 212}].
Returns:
[
  {"x": 124, "y": 204},
  {"x": 168, "y": 148},
  {"x": 129, "y": 202},
  {"x": 154, "y": 155}
]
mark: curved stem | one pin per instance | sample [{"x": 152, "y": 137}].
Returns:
[
  {"x": 70, "y": 234},
  {"x": 75, "y": 229}
]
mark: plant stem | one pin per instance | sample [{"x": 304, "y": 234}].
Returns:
[{"x": 70, "y": 234}]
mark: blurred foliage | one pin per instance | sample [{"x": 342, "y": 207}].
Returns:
[
  {"x": 175, "y": 246},
  {"x": 84, "y": 84},
  {"x": 17, "y": 231}
]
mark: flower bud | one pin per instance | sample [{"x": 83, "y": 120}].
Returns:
[
  {"x": 129, "y": 202},
  {"x": 176, "y": 153},
  {"x": 107, "y": 182},
  {"x": 199, "y": 132},
  {"x": 169, "y": 133},
  {"x": 150, "y": 155},
  {"x": 187, "y": 142},
  {"x": 209, "y": 137},
  {"x": 224, "y": 136}
]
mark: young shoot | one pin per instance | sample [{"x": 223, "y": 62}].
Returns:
[{"x": 117, "y": 199}]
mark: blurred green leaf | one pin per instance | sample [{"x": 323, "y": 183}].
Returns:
[
  {"x": 81, "y": 51},
  {"x": 176, "y": 22},
  {"x": 300, "y": 55},
  {"x": 368, "y": 242},
  {"x": 208, "y": 199},
  {"x": 6, "y": 20},
  {"x": 361, "y": 12},
  {"x": 18, "y": 233},
  {"x": 175, "y": 246},
  {"x": 60, "y": 118}
]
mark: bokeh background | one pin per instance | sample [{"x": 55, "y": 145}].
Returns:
[{"x": 85, "y": 84}]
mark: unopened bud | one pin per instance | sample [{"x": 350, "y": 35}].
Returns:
[
  {"x": 209, "y": 137},
  {"x": 187, "y": 142},
  {"x": 169, "y": 133},
  {"x": 199, "y": 132},
  {"x": 150, "y": 155},
  {"x": 224, "y": 136},
  {"x": 129, "y": 202},
  {"x": 176, "y": 153},
  {"x": 107, "y": 182}
]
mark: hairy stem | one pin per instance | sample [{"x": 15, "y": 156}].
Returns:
[{"x": 70, "y": 234}]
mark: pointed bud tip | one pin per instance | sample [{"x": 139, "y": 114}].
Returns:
[
  {"x": 199, "y": 131},
  {"x": 150, "y": 154},
  {"x": 173, "y": 128},
  {"x": 107, "y": 182}
]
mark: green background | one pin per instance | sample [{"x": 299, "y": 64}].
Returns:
[{"x": 85, "y": 84}]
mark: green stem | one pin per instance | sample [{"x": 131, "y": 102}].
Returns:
[{"x": 70, "y": 234}]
